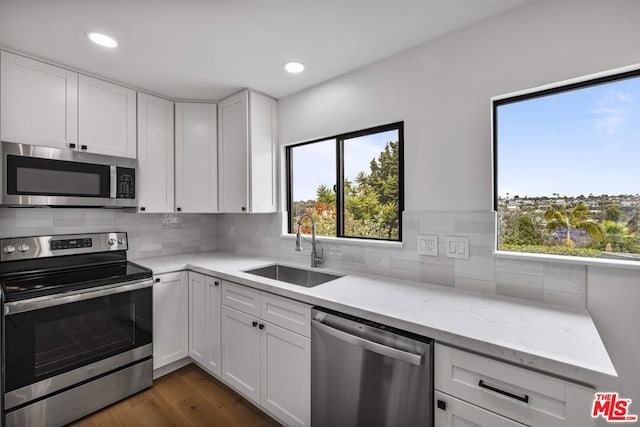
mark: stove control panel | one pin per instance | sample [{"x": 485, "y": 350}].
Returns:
[
  {"x": 21, "y": 248},
  {"x": 56, "y": 245}
]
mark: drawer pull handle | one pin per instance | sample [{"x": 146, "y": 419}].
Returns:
[{"x": 524, "y": 398}]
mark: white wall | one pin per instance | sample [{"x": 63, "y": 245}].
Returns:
[{"x": 441, "y": 90}]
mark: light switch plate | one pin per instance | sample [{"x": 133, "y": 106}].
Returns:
[
  {"x": 428, "y": 245},
  {"x": 457, "y": 247}
]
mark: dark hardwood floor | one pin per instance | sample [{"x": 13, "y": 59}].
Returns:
[{"x": 186, "y": 397}]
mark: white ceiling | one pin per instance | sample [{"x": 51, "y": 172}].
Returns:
[{"x": 208, "y": 49}]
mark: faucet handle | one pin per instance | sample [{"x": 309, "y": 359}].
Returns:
[{"x": 319, "y": 255}]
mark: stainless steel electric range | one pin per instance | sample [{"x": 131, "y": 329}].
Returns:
[{"x": 77, "y": 326}]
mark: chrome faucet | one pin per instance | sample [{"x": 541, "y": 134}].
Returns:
[{"x": 316, "y": 259}]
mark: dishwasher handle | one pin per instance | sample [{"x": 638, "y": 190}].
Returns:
[{"x": 405, "y": 356}]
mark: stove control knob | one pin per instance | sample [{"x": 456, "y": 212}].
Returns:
[
  {"x": 23, "y": 247},
  {"x": 9, "y": 249},
  {"x": 121, "y": 241},
  {"x": 112, "y": 241}
]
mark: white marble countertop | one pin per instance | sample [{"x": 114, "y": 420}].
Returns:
[{"x": 544, "y": 337}]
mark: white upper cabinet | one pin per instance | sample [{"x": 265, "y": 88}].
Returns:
[
  {"x": 155, "y": 155},
  {"x": 247, "y": 153},
  {"x": 107, "y": 118},
  {"x": 196, "y": 158},
  {"x": 38, "y": 103},
  {"x": 263, "y": 126}
]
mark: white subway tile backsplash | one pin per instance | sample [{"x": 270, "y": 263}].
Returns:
[
  {"x": 525, "y": 292},
  {"x": 575, "y": 300},
  {"x": 167, "y": 234},
  {"x": 475, "y": 285},
  {"x": 520, "y": 266},
  {"x": 148, "y": 234},
  {"x": 519, "y": 280},
  {"x": 482, "y": 272}
]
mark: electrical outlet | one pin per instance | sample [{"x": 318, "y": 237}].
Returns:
[
  {"x": 457, "y": 247},
  {"x": 428, "y": 245}
]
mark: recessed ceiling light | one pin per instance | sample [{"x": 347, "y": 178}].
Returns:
[
  {"x": 294, "y": 67},
  {"x": 102, "y": 39}
]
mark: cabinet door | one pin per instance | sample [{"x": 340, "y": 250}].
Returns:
[
  {"x": 196, "y": 158},
  {"x": 233, "y": 115},
  {"x": 38, "y": 103},
  {"x": 197, "y": 317},
  {"x": 107, "y": 118},
  {"x": 155, "y": 154},
  {"x": 286, "y": 375},
  {"x": 452, "y": 412},
  {"x": 241, "y": 353},
  {"x": 170, "y": 319},
  {"x": 263, "y": 124},
  {"x": 213, "y": 354}
]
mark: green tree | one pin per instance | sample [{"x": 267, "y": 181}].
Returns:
[
  {"x": 370, "y": 201},
  {"x": 618, "y": 238},
  {"x": 325, "y": 195},
  {"x": 613, "y": 213},
  {"x": 573, "y": 219},
  {"x": 520, "y": 229}
]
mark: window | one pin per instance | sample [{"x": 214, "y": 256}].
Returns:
[
  {"x": 368, "y": 203},
  {"x": 566, "y": 169}
]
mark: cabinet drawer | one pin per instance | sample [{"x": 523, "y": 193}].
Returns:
[
  {"x": 292, "y": 315},
  {"x": 517, "y": 393},
  {"x": 241, "y": 298},
  {"x": 452, "y": 412}
]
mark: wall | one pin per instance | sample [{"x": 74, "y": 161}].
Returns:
[
  {"x": 149, "y": 235},
  {"x": 442, "y": 91}
]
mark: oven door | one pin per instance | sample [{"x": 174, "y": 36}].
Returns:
[{"x": 54, "y": 342}]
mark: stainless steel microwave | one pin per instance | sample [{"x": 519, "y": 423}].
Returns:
[{"x": 43, "y": 176}]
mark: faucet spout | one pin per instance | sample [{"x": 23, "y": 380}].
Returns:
[{"x": 315, "y": 259}]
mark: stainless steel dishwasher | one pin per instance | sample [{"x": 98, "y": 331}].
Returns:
[{"x": 367, "y": 374}]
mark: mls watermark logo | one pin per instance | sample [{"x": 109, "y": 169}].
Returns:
[{"x": 612, "y": 408}]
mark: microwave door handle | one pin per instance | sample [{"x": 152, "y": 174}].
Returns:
[{"x": 114, "y": 182}]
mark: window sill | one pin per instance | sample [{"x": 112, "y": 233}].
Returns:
[
  {"x": 345, "y": 241},
  {"x": 564, "y": 259}
]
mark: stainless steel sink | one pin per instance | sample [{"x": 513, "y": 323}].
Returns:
[{"x": 296, "y": 276}]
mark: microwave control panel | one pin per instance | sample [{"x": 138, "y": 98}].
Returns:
[{"x": 126, "y": 183}]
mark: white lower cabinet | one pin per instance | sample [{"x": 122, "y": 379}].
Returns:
[
  {"x": 204, "y": 321},
  {"x": 452, "y": 412},
  {"x": 241, "y": 353},
  {"x": 269, "y": 363},
  {"x": 516, "y": 393},
  {"x": 285, "y": 382},
  {"x": 170, "y": 318}
]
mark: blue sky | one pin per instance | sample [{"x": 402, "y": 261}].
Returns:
[
  {"x": 314, "y": 164},
  {"x": 578, "y": 142}
]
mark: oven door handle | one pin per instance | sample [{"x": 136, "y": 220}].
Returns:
[{"x": 15, "y": 307}]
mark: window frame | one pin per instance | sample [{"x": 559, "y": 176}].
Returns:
[
  {"x": 592, "y": 80},
  {"x": 339, "y": 171}
]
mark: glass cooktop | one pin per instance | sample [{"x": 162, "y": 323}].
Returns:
[{"x": 41, "y": 283}]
